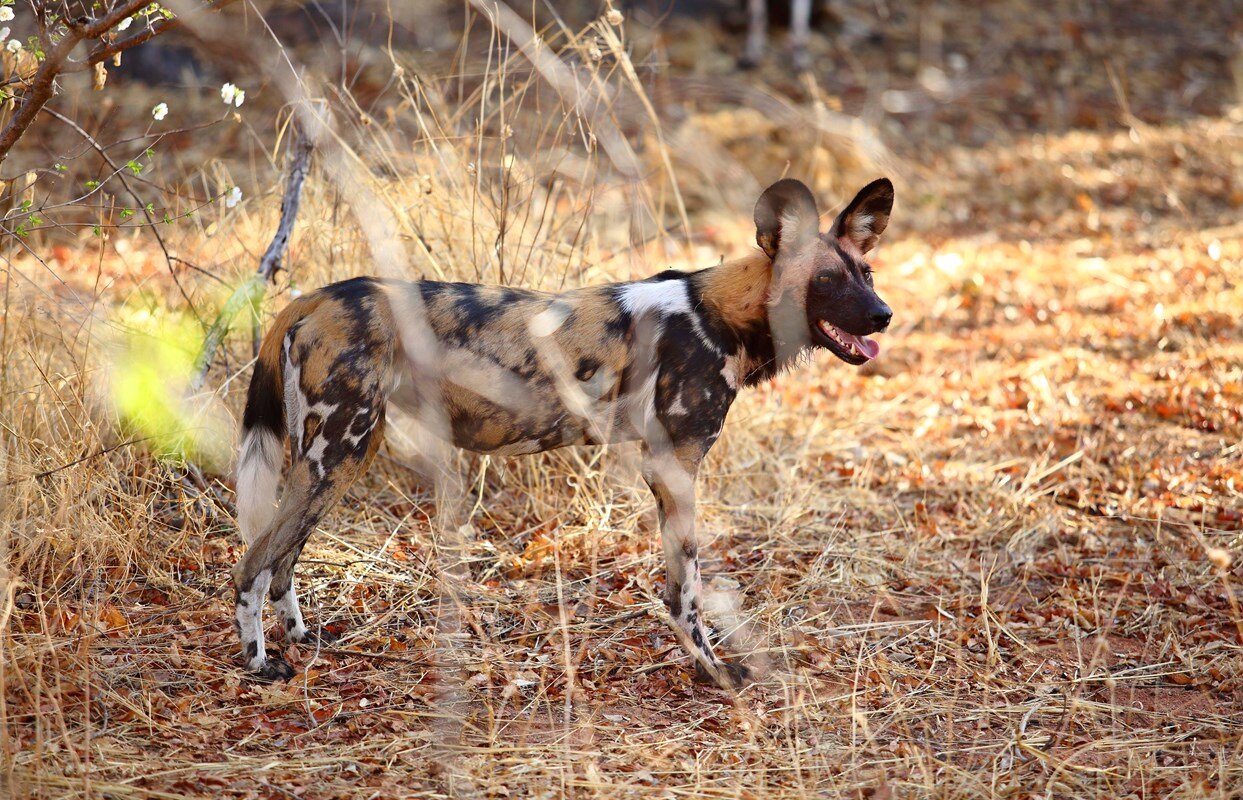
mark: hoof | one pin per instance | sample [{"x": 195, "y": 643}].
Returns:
[
  {"x": 733, "y": 675},
  {"x": 274, "y": 669}
]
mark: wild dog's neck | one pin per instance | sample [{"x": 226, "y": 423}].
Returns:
[
  {"x": 735, "y": 297},
  {"x": 737, "y": 291}
]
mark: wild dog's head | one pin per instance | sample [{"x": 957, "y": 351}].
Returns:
[{"x": 822, "y": 293}]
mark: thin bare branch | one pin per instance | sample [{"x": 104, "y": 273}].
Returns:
[{"x": 253, "y": 288}]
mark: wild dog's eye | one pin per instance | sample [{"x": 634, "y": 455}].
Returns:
[{"x": 824, "y": 277}]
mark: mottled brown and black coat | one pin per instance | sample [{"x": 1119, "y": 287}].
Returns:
[{"x": 510, "y": 371}]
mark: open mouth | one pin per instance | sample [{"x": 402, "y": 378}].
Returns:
[{"x": 846, "y": 346}]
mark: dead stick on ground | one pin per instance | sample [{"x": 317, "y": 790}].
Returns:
[{"x": 253, "y": 289}]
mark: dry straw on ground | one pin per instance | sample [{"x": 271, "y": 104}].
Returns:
[{"x": 1003, "y": 561}]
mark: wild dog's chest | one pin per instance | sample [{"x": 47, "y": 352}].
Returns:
[{"x": 696, "y": 381}]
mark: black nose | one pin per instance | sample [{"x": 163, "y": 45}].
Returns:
[{"x": 880, "y": 319}]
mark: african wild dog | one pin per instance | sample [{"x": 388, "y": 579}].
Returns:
[{"x": 515, "y": 371}]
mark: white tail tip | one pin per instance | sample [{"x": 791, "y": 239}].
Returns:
[{"x": 258, "y": 474}]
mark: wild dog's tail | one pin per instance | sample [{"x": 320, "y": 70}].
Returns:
[{"x": 262, "y": 453}]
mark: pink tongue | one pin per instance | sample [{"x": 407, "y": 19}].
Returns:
[{"x": 867, "y": 346}]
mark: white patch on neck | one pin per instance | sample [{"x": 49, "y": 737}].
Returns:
[
  {"x": 730, "y": 372},
  {"x": 666, "y": 297}
]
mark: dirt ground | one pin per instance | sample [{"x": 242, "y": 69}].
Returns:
[{"x": 1004, "y": 560}]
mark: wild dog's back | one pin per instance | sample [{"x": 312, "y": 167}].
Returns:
[{"x": 523, "y": 371}]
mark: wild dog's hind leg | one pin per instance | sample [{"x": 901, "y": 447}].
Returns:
[
  {"x": 314, "y": 486},
  {"x": 336, "y": 375},
  {"x": 672, "y": 481},
  {"x": 284, "y": 596}
]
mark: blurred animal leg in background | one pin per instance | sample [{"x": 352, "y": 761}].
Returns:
[
  {"x": 760, "y": 14},
  {"x": 757, "y": 33},
  {"x": 800, "y": 23}
]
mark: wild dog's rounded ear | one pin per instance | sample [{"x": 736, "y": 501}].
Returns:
[
  {"x": 865, "y": 218},
  {"x": 785, "y": 213}
]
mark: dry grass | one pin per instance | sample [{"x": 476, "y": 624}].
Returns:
[{"x": 1004, "y": 561}]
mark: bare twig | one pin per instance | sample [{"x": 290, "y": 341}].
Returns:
[
  {"x": 269, "y": 265},
  {"x": 43, "y": 84},
  {"x": 299, "y": 165}
]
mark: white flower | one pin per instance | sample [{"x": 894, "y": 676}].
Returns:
[
  {"x": 4, "y": 33},
  {"x": 614, "y": 17},
  {"x": 125, "y": 23},
  {"x": 13, "y": 46},
  {"x": 233, "y": 197},
  {"x": 160, "y": 111},
  {"x": 231, "y": 94},
  {"x": 6, "y": 13}
]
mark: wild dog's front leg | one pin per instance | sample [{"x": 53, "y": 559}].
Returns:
[{"x": 672, "y": 481}]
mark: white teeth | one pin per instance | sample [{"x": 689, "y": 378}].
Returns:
[
  {"x": 852, "y": 348},
  {"x": 832, "y": 332}
]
